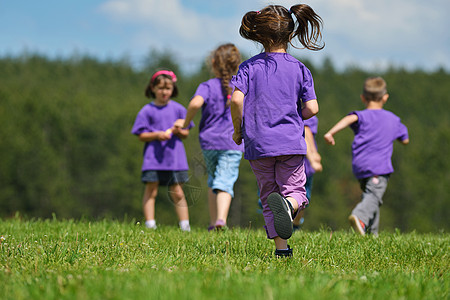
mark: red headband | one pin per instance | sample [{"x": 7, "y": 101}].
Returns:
[{"x": 164, "y": 72}]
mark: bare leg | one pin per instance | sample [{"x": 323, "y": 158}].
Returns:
[
  {"x": 280, "y": 243},
  {"x": 148, "y": 201},
  {"x": 298, "y": 217},
  {"x": 223, "y": 205},
  {"x": 178, "y": 198},
  {"x": 293, "y": 203},
  {"x": 212, "y": 207}
]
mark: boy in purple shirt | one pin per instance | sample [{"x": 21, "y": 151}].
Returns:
[{"x": 375, "y": 131}]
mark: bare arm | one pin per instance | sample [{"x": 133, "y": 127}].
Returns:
[
  {"x": 405, "y": 142},
  {"x": 343, "y": 123},
  {"x": 236, "y": 108},
  {"x": 155, "y": 136},
  {"x": 310, "y": 109},
  {"x": 312, "y": 155},
  {"x": 195, "y": 104}
]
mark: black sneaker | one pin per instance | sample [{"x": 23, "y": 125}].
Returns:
[
  {"x": 283, "y": 253},
  {"x": 283, "y": 214}
]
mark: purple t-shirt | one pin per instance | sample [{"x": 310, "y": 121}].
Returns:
[
  {"x": 216, "y": 126},
  {"x": 375, "y": 133},
  {"x": 161, "y": 155},
  {"x": 312, "y": 123},
  {"x": 274, "y": 84}
]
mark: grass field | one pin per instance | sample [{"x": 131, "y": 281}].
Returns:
[{"x": 55, "y": 259}]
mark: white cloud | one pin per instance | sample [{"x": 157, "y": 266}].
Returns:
[
  {"x": 355, "y": 31},
  {"x": 168, "y": 17},
  {"x": 370, "y": 32}
]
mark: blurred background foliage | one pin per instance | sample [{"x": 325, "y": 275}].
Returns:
[{"x": 66, "y": 147}]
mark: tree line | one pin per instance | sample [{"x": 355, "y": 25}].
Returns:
[{"x": 66, "y": 147}]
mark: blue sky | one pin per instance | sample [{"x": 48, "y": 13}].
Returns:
[{"x": 369, "y": 34}]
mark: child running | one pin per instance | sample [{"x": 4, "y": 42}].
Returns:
[
  {"x": 222, "y": 156},
  {"x": 375, "y": 131},
  {"x": 312, "y": 163},
  {"x": 165, "y": 161},
  {"x": 274, "y": 93}
]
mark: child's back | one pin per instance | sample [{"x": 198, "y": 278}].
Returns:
[
  {"x": 273, "y": 84},
  {"x": 375, "y": 131},
  {"x": 216, "y": 127},
  {"x": 222, "y": 156}
]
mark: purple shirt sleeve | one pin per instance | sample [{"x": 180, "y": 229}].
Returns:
[
  {"x": 403, "y": 132},
  {"x": 312, "y": 123},
  {"x": 307, "y": 93},
  {"x": 240, "y": 80},
  {"x": 203, "y": 91},
  {"x": 142, "y": 124}
]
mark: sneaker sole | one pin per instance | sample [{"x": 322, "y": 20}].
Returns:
[
  {"x": 354, "y": 221},
  {"x": 281, "y": 219}
]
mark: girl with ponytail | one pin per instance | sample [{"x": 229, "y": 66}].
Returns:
[{"x": 273, "y": 95}]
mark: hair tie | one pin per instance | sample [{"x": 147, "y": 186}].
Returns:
[
  {"x": 290, "y": 12},
  {"x": 228, "y": 97},
  {"x": 165, "y": 72},
  {"x": 258, "y": 12}
]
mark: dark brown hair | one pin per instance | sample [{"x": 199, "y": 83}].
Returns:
[
  {"x": 274, "y": 26},
  {"x": 374, "y": 89},
  {"x": 225, "y": 62},
  {"x": 155, "y": 81}
]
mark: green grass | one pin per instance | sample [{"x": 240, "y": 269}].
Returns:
[{"x": 54, "y": 259}]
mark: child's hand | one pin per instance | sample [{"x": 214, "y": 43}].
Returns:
[
  {"x": 315, "y": 162},
  {"x": 178, "y": 123},
  {"x": 165, "y": 135},
  {"x": 180, "y": 132},
  {"x": 329, "y": 139},
  {"x": 176, "y": 130},
  {"x": 237, "y": 138}
]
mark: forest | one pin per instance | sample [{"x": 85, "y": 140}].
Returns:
[{"x": 66, "y": 150}]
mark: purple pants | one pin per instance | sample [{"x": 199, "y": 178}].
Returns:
[{"x": 281, "y": 174}]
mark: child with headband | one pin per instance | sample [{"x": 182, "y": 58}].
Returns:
[
  {"x": 274, "y": 93},
  {"x": 222, "y": 156},
  {"x": 165, "y": 161}
]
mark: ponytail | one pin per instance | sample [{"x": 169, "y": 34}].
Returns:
[
  {"x": 306, "y": 17},
  {"x": 247, "y": 29}
]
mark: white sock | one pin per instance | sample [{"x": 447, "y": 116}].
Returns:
[
  {"x": 184, "y": 225},
  {"x": 150, "y": 224}
]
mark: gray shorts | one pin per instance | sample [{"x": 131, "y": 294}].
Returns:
[{"x": 165, "y": 177}]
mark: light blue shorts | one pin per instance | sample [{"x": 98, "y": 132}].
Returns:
[{"x": 223, "y": 169}]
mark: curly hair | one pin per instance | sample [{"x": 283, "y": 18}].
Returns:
[{"x": 225, "y": 62}]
